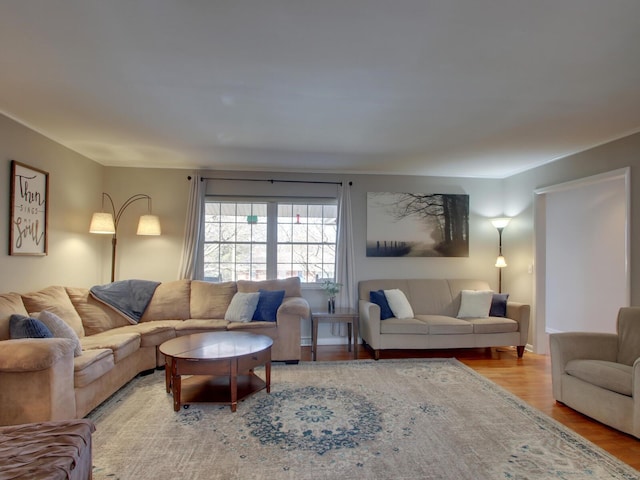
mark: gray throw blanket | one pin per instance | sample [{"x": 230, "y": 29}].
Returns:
[{"x": 128, "y": 297}]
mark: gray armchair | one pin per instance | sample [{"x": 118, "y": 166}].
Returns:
[{"x": 598, "y": 374}]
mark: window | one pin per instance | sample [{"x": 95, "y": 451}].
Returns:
[{"x": 266, "y": 240}]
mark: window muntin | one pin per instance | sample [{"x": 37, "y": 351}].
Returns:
[{"x": 264, "y": 240}]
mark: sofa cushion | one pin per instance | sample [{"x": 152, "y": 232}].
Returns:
[
  {"x": 96, "y": 316},
  {"x": 200, "y": 325},
  {"x": 242, "y": 307},
  {"x": 210, "y": 300},
  {"x": 378, "y": 297},
  {"x": 21, "y": 326},
  {"x": 608, "y": 375},
  {"x": 60, "y": 329},
  {"x": 404, "y": 326},
  {"x": 291, "y": 286},
  {"x": 430, "y": 297},
  {"x": 443, "y": 325},
  {"x": 398, "y": 303},
  {"x": 10, "y": 303},
  {"x": 121, "y": 344},
  {"x": 251, "y": 325},
  {"x": 493, "y": 325},
  {"x": 54, "y": 299},
  {"x": 499, "y": 305},
  {"x": 268, "y": 303},
  {"x": 475, "y": 303},
  {"x": 170, "y": 301},
  {"x": 91, "y": 365},
  {"x": 151, "y": 334}
]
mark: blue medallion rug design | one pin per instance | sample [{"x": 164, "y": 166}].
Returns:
[
  {"x": 314, "y": 419},
  {"x": 391, "y": 419}
]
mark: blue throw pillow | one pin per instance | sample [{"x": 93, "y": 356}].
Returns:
[
  {"x": 27, "y": 327},
  {"x": 268, "y": 304},
  {"x": 499, "y": 305},
  {"x": 379, "y": 298}
]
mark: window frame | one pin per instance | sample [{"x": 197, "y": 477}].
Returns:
[{"x": 272, "y": 203}]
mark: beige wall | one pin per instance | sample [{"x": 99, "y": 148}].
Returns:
[
  {"x": 82, "y": 259},
  {"x": 158, "y": 258},
  {"x": 74, "y": 186},
  {"x": 519, "y": 200}
]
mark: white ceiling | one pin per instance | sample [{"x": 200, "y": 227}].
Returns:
[{"x": 475, "y": 88}]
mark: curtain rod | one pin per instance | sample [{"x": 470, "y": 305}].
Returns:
[{"x": 268, "y": 180}]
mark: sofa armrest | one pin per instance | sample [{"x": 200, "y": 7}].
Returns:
[
  {"x": 36, "y": 375},
  {"x": 520, "y": 312},
  {"x": 370, "y": 323},
  {"x": 297, "y": 306},
  {"x": 568, "y": 346}
]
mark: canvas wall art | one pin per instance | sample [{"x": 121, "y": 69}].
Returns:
[{"x": 417, "y": 225}]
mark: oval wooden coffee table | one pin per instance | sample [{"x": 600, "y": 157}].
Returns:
[{"x": 220, "y": 364}]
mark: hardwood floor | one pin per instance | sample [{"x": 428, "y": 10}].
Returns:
[{"x": 528, "y": 378}]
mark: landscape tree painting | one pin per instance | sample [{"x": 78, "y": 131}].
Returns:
[{"x": 417, "y": 225}]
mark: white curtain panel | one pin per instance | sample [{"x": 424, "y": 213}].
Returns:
[
  {"x": 193, "y": 229},
  {"x": 345, "y": 258}
]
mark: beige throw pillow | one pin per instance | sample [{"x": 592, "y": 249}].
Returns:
[
  {"x": 475, "y": 303},
  {"x": 242, "y": 307},
  {"x": 59, "y": 329},
  {"x": 398, "y": 303}
]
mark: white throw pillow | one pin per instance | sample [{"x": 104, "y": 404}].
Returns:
[
  {"x": 398, "y": 303},
  {"x": 60, "y": 329},
  {"x": 475, "y": 303},
  {"x": 242, "y": 307}
]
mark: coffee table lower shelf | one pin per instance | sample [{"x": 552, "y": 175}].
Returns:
[{"x": 217, "y": 389}]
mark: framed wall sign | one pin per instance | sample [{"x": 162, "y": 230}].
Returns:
[{"x": 29, "y": 210}]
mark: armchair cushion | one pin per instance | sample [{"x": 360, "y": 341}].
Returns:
[{"x": 608, "y": 375}]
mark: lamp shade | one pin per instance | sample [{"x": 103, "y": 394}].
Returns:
[
  {"x": 500, "y": 222},
  {"x": 501, "y": 262},
  {"x": 102, "y": 223},
  {"x": 149, "y": 225}
]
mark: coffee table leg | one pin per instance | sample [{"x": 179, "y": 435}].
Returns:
[
  {"x": 176, "y": 385},
  {"x": 233, "y": 385},
  {"x": 167, "y": 373},
  {"x": 267, "y": 375}
]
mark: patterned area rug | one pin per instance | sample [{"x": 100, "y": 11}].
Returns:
[{"x": 390, "y": 419}]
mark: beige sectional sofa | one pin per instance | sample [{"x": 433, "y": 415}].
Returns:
[
  {"x": 41, "y": 380},
  {"x": 435, "y": 304}
]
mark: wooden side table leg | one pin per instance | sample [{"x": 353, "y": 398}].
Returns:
[
  {"x": 355, "y": 338},
  {"x": 349, "y": 336},
  {"x": 314, "y": 338}
]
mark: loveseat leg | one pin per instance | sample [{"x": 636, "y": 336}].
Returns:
[
  {"x": 520, "y": 349},
  {"x": 376, "y": 354}
]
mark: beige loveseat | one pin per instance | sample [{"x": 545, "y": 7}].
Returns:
[
  {"x": 41, "y": 380},
  {"x": 435, "y": 304},
  {"x": 598, "y": 374}
]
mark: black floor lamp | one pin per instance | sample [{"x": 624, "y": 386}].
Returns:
[{"x": 500, "y": 224}]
